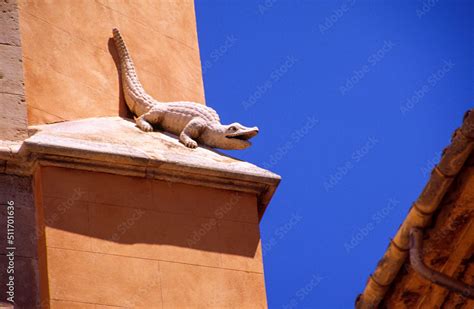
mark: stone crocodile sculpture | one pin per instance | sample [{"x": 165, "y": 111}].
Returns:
[{"x": 192, "y": 122}]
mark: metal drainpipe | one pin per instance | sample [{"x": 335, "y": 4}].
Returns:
[{"x": 416, "y": 261}]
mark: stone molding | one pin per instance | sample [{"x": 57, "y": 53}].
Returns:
[{"x": 115, "y": 145}]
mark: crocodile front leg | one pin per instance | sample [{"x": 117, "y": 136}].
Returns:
[{"x": 192, "y": 130}]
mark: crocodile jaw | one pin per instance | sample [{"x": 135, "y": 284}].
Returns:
[
  {"x": 218, "y": 137},
  {"x": 243, "y": 134},
  {"x": 240, "y": 138}
]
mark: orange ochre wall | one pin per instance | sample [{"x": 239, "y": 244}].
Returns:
[
  {"x": 69, "y": 69},
  {"x": 140, "y": 243}
]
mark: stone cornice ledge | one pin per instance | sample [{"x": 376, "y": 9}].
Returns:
[{"x": 114, "y": 145}]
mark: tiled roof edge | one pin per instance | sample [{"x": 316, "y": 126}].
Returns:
[{"x": 453, "y": 158}]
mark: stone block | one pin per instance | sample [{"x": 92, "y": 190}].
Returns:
[
  {"x": 11, "y": 70},
  {"x": 103, "y": 279},
  {"x": 210, "y": 287},
  {"x": 9, "y": 25}
]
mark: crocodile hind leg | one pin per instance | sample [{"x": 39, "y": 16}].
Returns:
[
  {"x": 192, "y": 130},
  {"x": 153, "y": 116}
]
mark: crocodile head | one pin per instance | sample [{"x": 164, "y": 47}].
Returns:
[{"x": 232, "y": 136}]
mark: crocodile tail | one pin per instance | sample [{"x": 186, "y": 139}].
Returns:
[{"x": 136, "y": 98}]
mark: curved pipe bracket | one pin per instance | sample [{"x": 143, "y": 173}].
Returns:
[{"x": 416, "y": 261}]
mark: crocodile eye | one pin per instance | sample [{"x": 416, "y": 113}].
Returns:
[{"x": 232, "y": 129}]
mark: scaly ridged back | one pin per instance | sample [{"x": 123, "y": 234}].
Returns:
[
  {"x": 193, "y": 109},
  {"x": 140, "y": 102},
  {"x": 136, "y": 98}
]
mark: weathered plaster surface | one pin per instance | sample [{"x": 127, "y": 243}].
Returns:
[
  {"x": 69, "y": 56},
  {"x": 149, "y": 243}
]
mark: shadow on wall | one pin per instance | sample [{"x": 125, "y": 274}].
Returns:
[
  {"x": 101, "y": 226},
  {"x": 146, "y": 218}
]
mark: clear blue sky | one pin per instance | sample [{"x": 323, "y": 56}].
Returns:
[{"x": 355, "y": 101}]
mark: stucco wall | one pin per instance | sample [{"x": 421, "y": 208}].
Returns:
[
  {"x": 69, "y": 67},
  {"x": 125, "y": 241}
]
